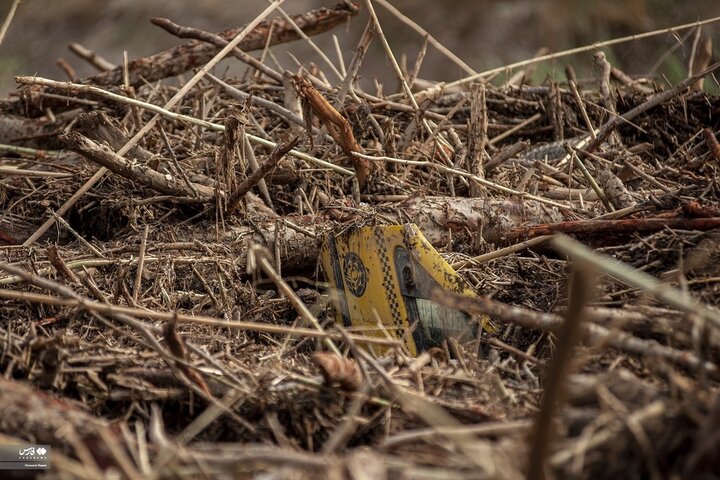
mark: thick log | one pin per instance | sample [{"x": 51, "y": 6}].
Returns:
[{"x": 441, "y": 219}]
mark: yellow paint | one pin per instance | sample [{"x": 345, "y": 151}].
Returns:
[{"x": 387, "y": 273}]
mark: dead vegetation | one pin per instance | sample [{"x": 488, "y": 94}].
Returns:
[{"x": 163, "y": 315}]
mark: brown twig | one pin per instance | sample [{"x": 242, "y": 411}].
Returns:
[
  {"x": 712, "y": 143},
  {"x": 91, "y": 57},
  {"x": 218, "y": 41},
  {"x": 8, "y": 19},
  {"x": 569, "y": 334},
  {"x": 176, "y": 345},
  {"x": 572, "y": 81},
  {"x": 187, "y": 56},
  {"x": 67, "y": 69},
  {"x": 506, "y": 154},
  {"x": 131, "y": 170},
  {"x": 356, "y": 62},
  {"x": 275, "y": 156},
  {"x": 54, "y": 256},
  {"x": 596, "y": 334},
  {"x": 623, "y": 78},
  {"x": 338, "y": 127},
  {"x": 611, "y": 227},
  {"x": 137, "y": 286},
  {"x": 700, "y": 57},
  {"x": 477, "y": 130}
]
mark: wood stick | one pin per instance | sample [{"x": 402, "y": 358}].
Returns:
[
  {"x": 549, "y": 322},
  {"x": 110, "y": 309},
  {"x": 187, "y": 56},
  {"x": 581, "y": 286},
  {"x": 91, "y": 57},
  {"x": 258, "y": 175},
  {"x": 337, "y": 126},
  {"x": 194, "y": 33},
  {"x": 137, "y": 286},
  {"x": 130, "y": 169},
  {"x": 610, "y": 227},
  {"x": 8, "y": 19}
]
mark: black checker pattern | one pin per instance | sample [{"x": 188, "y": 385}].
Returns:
[{"x": 387, "y": 282}]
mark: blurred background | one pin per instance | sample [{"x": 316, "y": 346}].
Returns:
[{"x": 484, "y": 33}]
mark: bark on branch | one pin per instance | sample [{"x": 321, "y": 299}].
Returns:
[
  {"x": 138, "y": 172},
  {"x": 187, "y": 56},
  {"x": 441, "y": 219},
  {"x": 190, "y": 55}
]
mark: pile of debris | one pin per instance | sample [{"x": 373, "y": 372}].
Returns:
[{"x": 164, "y": 313}]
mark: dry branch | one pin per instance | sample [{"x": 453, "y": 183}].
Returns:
[
  {"x": 255, "y": 177},
  {"x": 218, "y": 41},
  {"x": 187, "y": 56},
  {"x": 338, "y": 127},
  {"x": 596, "y": 334},
  {"x": 131, "y": 169},
  {"x": 176, "y": 345},
  {"x": 91, "y": 57},
  {"x": 603, "y": 228},
  {"x": 582, "y": 284}
]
